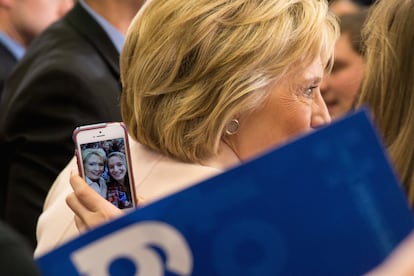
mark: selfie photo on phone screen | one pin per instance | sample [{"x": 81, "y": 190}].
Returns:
[{"x": 104, "y": 164}]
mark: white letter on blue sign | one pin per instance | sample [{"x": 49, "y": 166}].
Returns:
[{"x": 134, "y": 243}]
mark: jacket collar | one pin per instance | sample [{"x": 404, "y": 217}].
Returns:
[{"x": 79, "y": 18}]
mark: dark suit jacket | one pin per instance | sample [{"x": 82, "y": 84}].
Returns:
[
  {"x": 15, "y": 255},
  {"x": 68, "y": 77},
  {"x": 7, "y": 62}
]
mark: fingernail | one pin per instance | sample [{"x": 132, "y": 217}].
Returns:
[{"x": 74, "y": 171}]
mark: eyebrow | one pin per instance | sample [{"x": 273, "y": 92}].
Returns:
[{"x": 315, "y": 79}]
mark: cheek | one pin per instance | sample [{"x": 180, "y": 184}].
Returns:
[
  {"x": 88, "y": 172},
  {"x": 293, "y": 113},
  {"x": 40, "y": 17},
  {"x": 340, "y": 82},
  {"x": 274, "y": 125},
  {"x": 348, "y": 83},
  {"x": 295, "y": 120}
]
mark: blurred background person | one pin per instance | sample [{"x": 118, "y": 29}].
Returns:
[
  {"x": 207, "y": 86},
  {"x": 388, "y": 90},
  {"x": 16, "y": 258},
  {"x": 388, "y": 85},
  {"x": 340, "y": 87},
  {"x": 341, "y": 7},
  {"x": 20, "y": 22},
  {"x": 366, "y": 3},
  {"x": 68, "y": 77}
]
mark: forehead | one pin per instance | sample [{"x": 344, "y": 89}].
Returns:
[
  {"x": 345, "y": 53},
  {"x": 94, "y": 155},
  {"x": 343, "y": 44},
  {"x": 306, "y": 72},
  {"x": 115, "y": 158},
  {"x": 300, "y": 76},
  {"x": 315, "y": 69}
]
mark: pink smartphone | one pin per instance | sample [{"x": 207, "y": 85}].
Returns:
[{"x": 103, "y": 156}]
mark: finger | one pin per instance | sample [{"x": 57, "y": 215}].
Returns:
[
  {"x": 77, "y": 207},
  {"x": 141, "y": 201},
  {"x": 84, "y": 218},
  {"x": 85, "y": 194},
  {"x": 80, "y": 224},
  {"x": 88, "y": 217},
  {"x": 79, "y": 210},
  {"x": 77, "y": 182}
]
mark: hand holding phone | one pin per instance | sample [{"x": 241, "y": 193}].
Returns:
[
  {"x": 90, "y": 208},
  {"x": 103, "y": 156}
]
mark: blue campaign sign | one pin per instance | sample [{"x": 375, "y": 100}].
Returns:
[{"x": 327, "y": 203}]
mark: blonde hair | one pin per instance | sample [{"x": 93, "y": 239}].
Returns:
[
  {"x": 86, "y": 153},
  {"x": 388, "y": 87},
  {"x": 190, "y": 66},
  {"x": 120, "y": 155}
]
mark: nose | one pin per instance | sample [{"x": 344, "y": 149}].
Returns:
[{"x": 320, "y": 114}]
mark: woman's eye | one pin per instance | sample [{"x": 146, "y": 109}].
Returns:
[{"x": 309, "y": 92}]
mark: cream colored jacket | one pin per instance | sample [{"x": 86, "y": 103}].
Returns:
[{"x": 155, "y": 176}]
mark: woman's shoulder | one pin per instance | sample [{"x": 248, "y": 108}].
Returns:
[
  {"x": 112, "y": 185},
  {"x": 156, "y": 175}
]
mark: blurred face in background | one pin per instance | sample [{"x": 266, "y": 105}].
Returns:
[
  {"x": 340, "y": 87},
  {"x": 30, "y": 17},
  {"x": 340, "y": 7}
]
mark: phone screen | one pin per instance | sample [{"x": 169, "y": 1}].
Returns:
[{"x": 105, "y": 167}]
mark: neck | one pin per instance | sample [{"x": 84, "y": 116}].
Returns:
[
  {"x": 7, "y": 28},
  {"x": 225, "y": 159},
  {"x": 119, "y": 13},
  {"x": 94, "y": 180}
]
